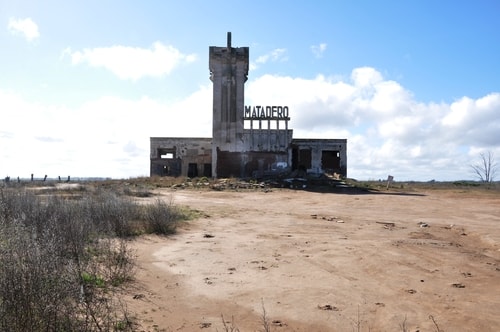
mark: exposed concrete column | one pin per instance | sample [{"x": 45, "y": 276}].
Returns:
[
  {"x": 268, "y": 135},
  {"x": 343, "y": 158},
  {"x": 286, "y": 134},
  {"x": 228, "y": 72}
]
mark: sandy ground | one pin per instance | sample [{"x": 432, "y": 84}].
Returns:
[{"x": 324, "y": 262}]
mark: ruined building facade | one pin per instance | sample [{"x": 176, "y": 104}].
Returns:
[{"x": 246, "y": 141}]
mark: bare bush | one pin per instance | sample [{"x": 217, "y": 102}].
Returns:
[
  {"x": 264, "y": 318},
  {"x": 486, "y": 169},
  {"x": 36, "y": 286},
  {"x": 61, "y": 262},
  {"x": 229, "y": 326},
  {"x": 161, "y": 217}
]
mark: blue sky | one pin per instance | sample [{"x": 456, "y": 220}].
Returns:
[{"x": 413, "y": 85}]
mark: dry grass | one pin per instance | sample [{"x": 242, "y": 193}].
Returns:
[{"x": 64, "y": 255}]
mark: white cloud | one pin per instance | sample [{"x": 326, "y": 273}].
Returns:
[
  {"x": 474, "y": 118},
  {"x": 132, "y": 62},
  {"x": 278, "y": 54},
  {"x": 26, "y": 27},
  {"x": 366, "y": 77},
  {"x": 318, "y": 50},
  {"x": 106, "y": 137},
  {"x": 388, "y": 131},
  {"x": 274, "y": 55}
]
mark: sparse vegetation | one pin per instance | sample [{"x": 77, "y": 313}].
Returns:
[
  {"x": 229, "y": 326},
  {"x": 411, "y": 186},
  {"x": 62, "y": 260},
  {"x": 403, "y": 326},
  {"x": 485, "y": 171},
  {"x": 264, "y": 318},
  {"x": 64, "y": 254}
]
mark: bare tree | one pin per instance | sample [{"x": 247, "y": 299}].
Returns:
[{"x": 486, "y": 169}]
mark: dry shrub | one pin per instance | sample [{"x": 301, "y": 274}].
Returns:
[
  {"x": 62, "y": 260},
  {"x": 161, "y": 217}
]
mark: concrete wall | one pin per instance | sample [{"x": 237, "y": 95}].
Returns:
[
  {"x": 178, "y": 153},
  {"x": 326, "y": 155},
  {"x": 248, "y": 164},
  {"x": 271, "y": 140},
  {"x": 234, "y": 150}
]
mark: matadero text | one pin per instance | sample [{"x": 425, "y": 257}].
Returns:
[{"x": 266, "y": 112}]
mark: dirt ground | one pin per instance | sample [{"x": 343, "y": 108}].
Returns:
[{"x": 422, "y": 260}]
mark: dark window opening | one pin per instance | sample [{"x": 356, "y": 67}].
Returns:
[
  {"x": 295, "y": 159},
  {"x": 305, "y": 159},
  {"x": 207, "y": 170},
  {"x": 330, "y": 161},
  {"x": 192, "y": 170}
]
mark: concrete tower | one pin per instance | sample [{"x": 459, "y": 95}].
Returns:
[
  {"x": 228, "y": 72},
  {"x": 247, "y": 141}
]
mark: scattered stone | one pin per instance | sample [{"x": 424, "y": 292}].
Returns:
[
  {"x": 411, "y": 291},
  {"x": 380, "y": 304},
  {"x": 205, "y": 325},
  {"x": 386, "y": 224},
  {"x": 423, "y": 224},
  {"x": 224, "y": 184},
  {"x": 208, "y": 236},
  {"x": 328, "y": 307},
  {"x": 467, "y": 274},
  {"x": 138, "y": 296},
  {"x": 458, "y": 285}
]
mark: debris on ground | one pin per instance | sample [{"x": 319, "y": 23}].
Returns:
[
  {"x": 293, "y": 180},
  {"x": 328, "y": 307}
]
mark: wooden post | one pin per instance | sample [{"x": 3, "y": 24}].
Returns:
[{"x": 390, "y": 178}]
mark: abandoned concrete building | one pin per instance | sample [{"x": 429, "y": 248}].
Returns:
[{"x": 247, "y": 141}]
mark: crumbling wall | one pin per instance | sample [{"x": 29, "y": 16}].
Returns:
[
  {"x": 320, "y": 155},
  {"x": 269, "y": 140},
  {"x": 180, "y": 156},
  {"x": 247, "y": 164},
  {"x": 246, "y": 141}
]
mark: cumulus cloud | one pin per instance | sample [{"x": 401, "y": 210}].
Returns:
[
  {"x": 474, "y": 118},
  {"x": 318, "y": 50},
  {"x": 388, "y": 130},
  {"x": 25, "y": 27},
  {"x": 132, "y": 62}
]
